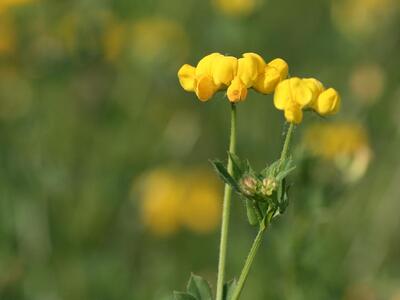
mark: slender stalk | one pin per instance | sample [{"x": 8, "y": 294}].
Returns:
[
  {"x": 286, "y": 144},
  {"x": 226, "y": 210},
  {"x": 249, "y": 261}
]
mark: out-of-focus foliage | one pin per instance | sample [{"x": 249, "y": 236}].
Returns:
[{"x": 91, "y": 110}]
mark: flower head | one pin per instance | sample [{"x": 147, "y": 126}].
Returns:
[
  {"x": 295, "y": 94},
  {"x": 217, "y": 72}
]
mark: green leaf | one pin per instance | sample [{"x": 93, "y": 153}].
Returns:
[
  {"x": 229, "y": 287},
  {"x": 199, "y": 287},
  {"x": 225, "y": 176},
  {"x": 251, "y": 213},
  {"x": 237, "y": 164},
  {"x": 183, "y": 296}
]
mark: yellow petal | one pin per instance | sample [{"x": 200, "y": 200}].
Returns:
[
  {"x": 302, "y": 94},
  {"x": 281, "y": 66},
  {"x": 285, "y": 92},
  {"x": 205, "y": 88},
  {"x": 293, "y": 113},
  {"x": 186, "y": 75},
  {"x": 267, "y": 82},
  {"x": 224, "y": 69},
  {"x": 328, "y": 102},
  {"x": 316, "y": 88},
  {"x": 237, "y": 91},
  {"x": 250, "y": 67},
  {"x": 205, "y": 65}
]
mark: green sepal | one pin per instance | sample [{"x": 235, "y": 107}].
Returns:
[
  {"x": 251, "y": 213},
  {"x": 183, "y": 296},
  {"x": 229, "y": 287},
  {"x": 199, "y": 287},
  {"x": 225, "y": 176}
]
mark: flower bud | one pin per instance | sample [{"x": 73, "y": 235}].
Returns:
[
  {"x": 269, "y": 185},
  {"x": 248, "y": 185}
]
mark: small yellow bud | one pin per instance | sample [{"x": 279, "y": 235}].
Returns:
[
  {"x": 237, "y": 91},
  {"x": 328, "y": 102},
  {"x": 293, "y": 113},
  {"x": 224, "y": 69},
  {"x": 186, "y": 75},
  {"x": 205, "y": 88},
  {"x": 248, "y": 185},
  {"x": 269, "y": 185}
]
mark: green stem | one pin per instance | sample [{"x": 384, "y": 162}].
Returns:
[
  {"x": 249, "y": 261},
  {"x": 286, "y": 144},
  {"x": 226, "y": 210}
]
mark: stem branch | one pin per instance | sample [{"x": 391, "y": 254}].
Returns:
[{"x": 249, "y": 262}]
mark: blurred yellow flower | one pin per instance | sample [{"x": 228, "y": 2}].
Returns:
[
  {"x": 5, "y": 4},
  {"x": 170, "y": 200},
  {"x": 344, "y": 143},
  {"x": 161, "y": 197},
  {"x": 114, "y": 39},
  {"x": 217, "y": 72},
  {"x": 201, "y": 209},
  {"x": 359, "y": 18},
  {"x": 367, "y": 82},
  {"x": 154, "y": 38},
  {"x": 7, "y": 36},
  {"x": 295, "y": 94},
  {"x": 236, "y": 8}
]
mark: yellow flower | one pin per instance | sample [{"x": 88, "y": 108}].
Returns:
[
  {"x": 235, "y": 7},
  {"x": 346, "y": 144},
  {"x": 201, "y": 209},
  {"x": 295, "y": 94},
  {"x": 328, "y": 102},
  {"x": 172, "y": 199},
  {"x": 161, "y": 196},
  {"x": 217, "y": 72}
]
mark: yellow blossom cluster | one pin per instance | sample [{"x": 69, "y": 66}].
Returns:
[
  {"x": 170, "y": 200},
  {"x": 295, "y": 94},
  {"x": 217, "y": 72}
]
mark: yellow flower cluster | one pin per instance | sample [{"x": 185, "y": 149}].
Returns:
[
  {"x": 295, "y": 94},
  {"x": 217, "y": 72},
  {"x": 170, "y": 200}
]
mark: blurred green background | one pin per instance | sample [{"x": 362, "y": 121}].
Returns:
[{"x": 104, "y": 158}]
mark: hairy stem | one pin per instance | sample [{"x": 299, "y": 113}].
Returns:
[{"x": 226, "y": 210}]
